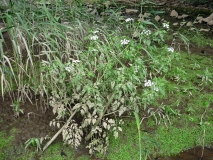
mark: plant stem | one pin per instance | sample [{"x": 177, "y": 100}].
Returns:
[
  {"x": 101, "y": 116},
  {"x": 139, "y": 133},
  {"x": 56, "y": 135}
]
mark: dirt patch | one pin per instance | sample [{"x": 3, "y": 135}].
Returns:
[
  {"x": 192, "y": 154},
  {"x": 31, "y": 124}
]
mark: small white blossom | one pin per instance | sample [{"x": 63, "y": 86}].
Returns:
[
  {"x": 94, "y": 32},
  {"x": 124, "y": 41},
  {"x": 165, "y": 25},
  {"x": 156, "y": 89},
  {"x": 170, "y": 49},
  {"x": 76, "y": 61},
  {"x": 129, "y": 19},
  {"x": 146, "y": 32},
  {"x": 95, "y": 37},
  {"x": 69, "y": 68},
  {"x": 149, "y": 83}
]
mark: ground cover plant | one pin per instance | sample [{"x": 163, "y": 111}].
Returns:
[{"x": 106, "y": 79}]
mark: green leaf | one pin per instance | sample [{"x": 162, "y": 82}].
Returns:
[{"x": 149, "y": 23}]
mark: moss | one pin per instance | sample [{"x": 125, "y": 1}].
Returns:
[
  {"x": 164, "y": 141},
  {"x": 5, "y": 142}
]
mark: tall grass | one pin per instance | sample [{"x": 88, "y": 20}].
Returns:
[{"x": 37, "y": 36}]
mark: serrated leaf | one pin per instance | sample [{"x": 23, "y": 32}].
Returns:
[
  {"x": 58, "y": 125},
  {"x": 82, "y": 112},
  {"x": 129, "y": 86},
  {"x": 93, "y": 121},
  {"x": 94, "y": 112},
  {"x": 54, "y": 123},
  {"x": 90, "y": 104},
  {"x": 77, "y": 106},
  {"x": 116, "y": 134},
  {"x": 120, "y": 129},
  {"x": 50, "y": 123},
  {"x": 122, "y": 100},
  {"x": 121, "y": 111},
  {"x": 108, "y": 126},
  {"x": 112, "y": 84},
  {"x": 112, "y": 121},
  {"x": 85, "y": 108},
  {"x": 105, "y": 125}
]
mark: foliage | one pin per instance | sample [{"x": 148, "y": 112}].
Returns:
[
  {"x": 16, "y": 108},
  {"x": 34, "y": 142},
  {"x": 92, "y": 76}
]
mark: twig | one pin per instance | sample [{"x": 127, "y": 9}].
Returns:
[{"x": 56, "y": 135}]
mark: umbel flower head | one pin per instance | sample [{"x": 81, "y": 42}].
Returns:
[
  {"x": 171, "y": 49},
  {"x": 146, "y": 32},
  {"x": 93, "y": 38},
  {"x": 124, "y": 41},
  {"x": 165, "y": 25},
  {"x": 129, "y": 19},
  {"x": 149, "y": 83}
]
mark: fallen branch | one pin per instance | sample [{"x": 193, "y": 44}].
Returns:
[{"x": 56, "y": 135}]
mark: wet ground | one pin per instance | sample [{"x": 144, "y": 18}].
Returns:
[{"x": 192, "y": 154}]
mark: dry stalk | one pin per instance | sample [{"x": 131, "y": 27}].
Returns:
[{"x": 56, "y": 135}]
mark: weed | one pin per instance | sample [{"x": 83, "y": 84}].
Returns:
[
  {"x": 33, "y": 142},
  {"x": 16, "y": 108}
]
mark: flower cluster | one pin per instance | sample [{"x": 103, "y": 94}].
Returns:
[
  {"x": 129, "y": 19},
  {"x": 76, "y": 61},
  {"x": 94, "y": 32},
  {"x": 165, "y": 25},
  {"x": 149, "y": 83},
  {"x": 171, "y": 49},
  {"x": 70, "y": 67},
  {"x": 93, "y": 38},
  {"x": 146, "y": 32},
  {"x": 124, "y": 41}
]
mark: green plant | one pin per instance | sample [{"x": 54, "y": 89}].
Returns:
[
  {"x": 34, "y": 142},
  {"x": 16, "y": 108}
]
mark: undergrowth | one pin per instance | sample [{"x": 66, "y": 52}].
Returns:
[{"x": 93, "y": 75}]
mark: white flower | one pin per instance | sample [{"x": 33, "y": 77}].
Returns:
[
  {"x": 148, "y": 83},
  {"x": 170, "y": 49},
  {"x": 129, "y": 19},
  {"x": 69, "y": 68},
  {"x": 146, "y": 32},
  {"x": 165, "y": 25},
  {"x": 94, "y": 32},
  {"x": 156, "y": 89},
  {"x": 95, "y": 37},
  {"x": 124, "y": 41},
  {"x": 76, "y": 61}
]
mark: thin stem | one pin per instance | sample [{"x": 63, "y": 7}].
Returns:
[{"x": 56, "y": 135}]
